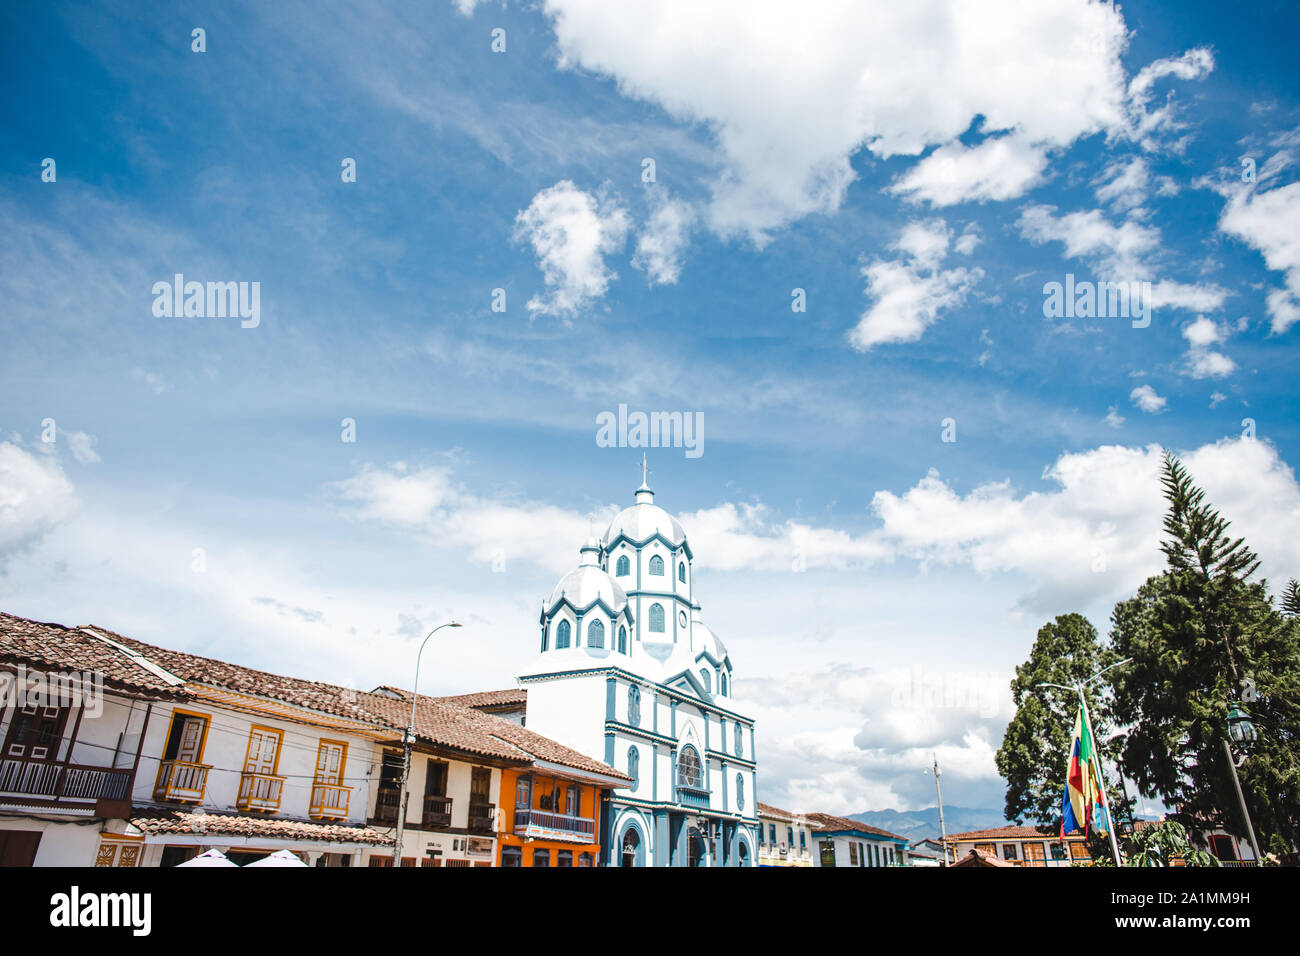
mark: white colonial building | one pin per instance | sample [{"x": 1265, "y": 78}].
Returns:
[{"x": 629, "y": 674}]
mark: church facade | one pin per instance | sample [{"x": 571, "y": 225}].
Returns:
[{"x": 629, "y": 674}]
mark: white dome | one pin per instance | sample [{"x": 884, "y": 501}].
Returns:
[
  {"x": 706, "y": 640},
  {"x": 586, "y": 585},
  {"x": 644, "y": 520}
]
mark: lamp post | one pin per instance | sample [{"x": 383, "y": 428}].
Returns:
[
  {"x": 1242, "y": 732},
  {"x": 407, "y": 739},
  {"x": 1096, "y": 755},
  {"x": 943, "y": 830}
]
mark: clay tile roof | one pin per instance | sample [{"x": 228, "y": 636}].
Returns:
[
  {"x": 180, "y": 821},
  {"x": 54, "y": 646},
  {"x": 978, "y": 857},
  {"x": 489, "y": 699},
  {"x": 441, "y": 722},
  {"x": 766, "y": 810},
  {"x": 825, "y": 822},
  {"x": 1003, "y": 833}
]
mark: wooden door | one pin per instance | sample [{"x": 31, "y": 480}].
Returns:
[
  {"x": 263, "y": 749},
  {"x": 329, "y": 763}
]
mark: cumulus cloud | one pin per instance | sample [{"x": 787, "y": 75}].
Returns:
[
  {"x": 996, "y": 169},
  {"x": 1124, "y": 184},
  {"x": 909, "y": 293},
  {"x": 572, "y": 231},
  {"x": 1096, "y": 535},
  {"x": 662, "y": 242},
  {"x": 81, "y": 446},
  {"x": 1119, "y": 252},
  {"x": 1145, "y": 398},
  {"x": 35, "y": 497},
  {"x": 791, "y": 95},
  {"x": 1202, "y": 359},
  {"x": 1267, "y": 221}
]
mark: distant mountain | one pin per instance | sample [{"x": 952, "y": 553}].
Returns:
[{"x": 919, "y": 824}]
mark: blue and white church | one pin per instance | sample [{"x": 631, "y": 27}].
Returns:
[{"x": 628, "y": 673}]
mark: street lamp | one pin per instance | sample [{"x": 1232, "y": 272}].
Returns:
[
  {"x": 407, "y": 739},
  {"x": 1242, "y": 732}
]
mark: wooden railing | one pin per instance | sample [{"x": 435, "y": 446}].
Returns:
[
  {"x": 437, "y": 811},
  {"x": 63, "y": 780},
  {"x": 584, "y": 827},
  {"x": 387, "y": 802},
  {"x": 259, "y": 791},
  {"x": 482, "y": 817},
  {"x": 180, "y": 781},
  {"x": 329, "y": 801}
]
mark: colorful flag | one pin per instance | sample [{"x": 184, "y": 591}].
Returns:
[{"x": 1083, "y": 806}]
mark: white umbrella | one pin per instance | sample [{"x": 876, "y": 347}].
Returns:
[
  {"x": 278, "y": 858},
  {"x": 210, "y": 858}
]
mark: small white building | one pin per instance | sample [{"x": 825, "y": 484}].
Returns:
[{"x": 785, "y": 838}]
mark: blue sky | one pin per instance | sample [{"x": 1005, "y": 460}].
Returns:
[{"x": 919, "y": 173}]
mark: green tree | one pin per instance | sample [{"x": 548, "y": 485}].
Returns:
[
  {"x": 1201, "y": 635},
  {"x": 1159, "y": 843},
  {"x": 1291, "y": 599},
  {"x": 1035, "y": 751}
]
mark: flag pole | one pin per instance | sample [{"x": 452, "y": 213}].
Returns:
[{"x": 1101, "y": 778}]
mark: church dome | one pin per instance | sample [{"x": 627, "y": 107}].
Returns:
[
  {"x": 585, "y": 585},
  {"x": 644, "y": 520},
  {"x": 706, "y": 640}
]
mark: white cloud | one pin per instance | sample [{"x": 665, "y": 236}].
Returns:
[
  {"x": 1124, "y": 184},
  {"x": 1145, "y": 398},
  {"x": 1202, "y": 360},
  {"x": 996, "y": 169},
  {"x": 35, "y": 497},
  {"x": 81, "y": 446},
  {"x": 1096, "y": 536},
  {"x": 910, "y": 293},
  {"x": 968, "y": 240},
  {"x": 1119, "y": 253},
  {"x": 572, "y": 231},
  {"x": 661, "y": 244},
  {"x": 1113, "y": 418},
  {"x": 1152, "y": 128},
  {"x": 791, "y": 94},
  {"x": 1267, "y": 221}
]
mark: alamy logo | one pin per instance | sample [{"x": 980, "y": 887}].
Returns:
[
  {"x": 25, "y": 690},
  {"x": 651, "y": 430},
  {"x": 1098, "y": 300},
  {"x": 74, "y": 909},
  {"x": 212, "y": 300}
]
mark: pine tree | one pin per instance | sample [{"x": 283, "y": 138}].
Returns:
[
  {"x": 1201, "y": 634},
  {"x": 1291, "y": 599}
]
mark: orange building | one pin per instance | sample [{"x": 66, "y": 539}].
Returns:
[{"x": 551, "y": 818}]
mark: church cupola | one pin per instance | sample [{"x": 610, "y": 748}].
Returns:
[{"x": 589, "y": 554}]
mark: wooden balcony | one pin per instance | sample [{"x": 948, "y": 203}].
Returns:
[
  {"x": 68, "y": 784},
  {"x": 482, "y": 818},
  {"x": 437, "y": 812},
  {"x": 180, "y": 781},
  {"x": 329, "y": 801},
  {"x": 543, "y": 825},
  {"x": 387, "y": 802},
  {"x": 259, "y": 791}
]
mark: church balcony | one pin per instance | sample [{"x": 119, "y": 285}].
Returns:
[
  {"x": 693, "y": 796},
  {"x": 545, "y": 825}
]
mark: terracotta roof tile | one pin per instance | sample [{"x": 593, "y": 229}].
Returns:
[
  {"x": 766, "y": 810},
  {"x": 510, "y": 697},
  {"x": 825, "y": 821},
  {"x": 55, "y": 646},
  {"x": 151, "y": 820},
  {"x": 1006, "y": 833}
]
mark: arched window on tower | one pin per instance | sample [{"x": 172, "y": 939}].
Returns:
[
  {"x": 622, "y": 639},
  {"x": 633, "y": 705},
  {"x": 740, "y": 792},
  {"x": 596, "y": 634},
  {"x": 657, "y": 565},
  {"x": 656, "y": 618},
  {"x": 722, "y": 684},
  {"x": 622, "y": 568},
  {"x": 708, "y": 681},
  {"x": 562, "y": 635},
  {"x": 634, "y": 766},
  {"x": 681, "y": 571}
]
